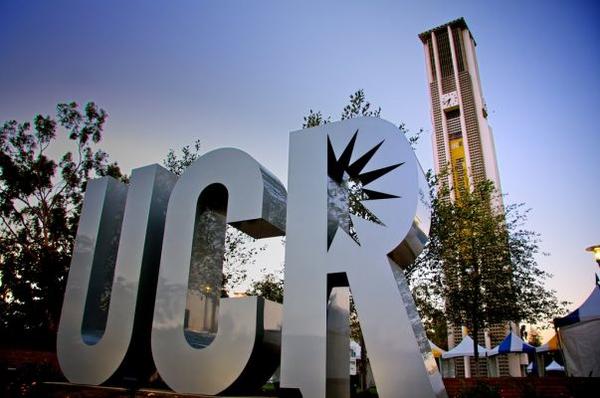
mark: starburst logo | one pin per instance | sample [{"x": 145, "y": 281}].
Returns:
[{"x": 346, "y": 189}]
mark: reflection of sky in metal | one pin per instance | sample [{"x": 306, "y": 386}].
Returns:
[
  {"x": 346, "y": 189},
  {"x": 275, "y": 205}
]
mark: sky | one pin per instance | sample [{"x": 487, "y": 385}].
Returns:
[{"x": 243, "y": 74}]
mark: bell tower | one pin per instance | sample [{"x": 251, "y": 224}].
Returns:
[
  {"x": 463, "y": 143},
  {"x": 462, "y": 137}
]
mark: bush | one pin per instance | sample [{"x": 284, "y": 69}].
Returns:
[{"x": 480, "y": 390}]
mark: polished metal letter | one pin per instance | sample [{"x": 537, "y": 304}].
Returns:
[
  {"x": 201, "y": 344},
  {"x": 355, "y": 217},
  {"x": 112, "y": 278}
]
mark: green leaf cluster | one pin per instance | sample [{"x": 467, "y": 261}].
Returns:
[
  {"x": 270, "y": 287},
  {"x": 358, "y": 106}
]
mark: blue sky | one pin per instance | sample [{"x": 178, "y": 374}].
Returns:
[{"x": 243, "y": 74}]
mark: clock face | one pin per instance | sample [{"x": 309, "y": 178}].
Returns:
[{"x": 450, "y": 100}]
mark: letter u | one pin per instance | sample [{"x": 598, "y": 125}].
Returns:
[{"x": 112, "y": 280}]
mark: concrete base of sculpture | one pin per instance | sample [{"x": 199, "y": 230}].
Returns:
[{"x": 60, "y": 390}]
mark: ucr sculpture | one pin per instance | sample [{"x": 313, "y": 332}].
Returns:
[{"x": 146, "y": 272}]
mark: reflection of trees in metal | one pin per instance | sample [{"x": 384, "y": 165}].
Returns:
[
  {"x": 415, "y": 321},
  {"x": 346, "y": 190},
  {"x": 206, "y": 267},
  {"x": 240, "y": 250}
]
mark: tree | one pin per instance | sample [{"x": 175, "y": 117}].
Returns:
[
  {"x": 40, "y": 204},
  {"x": 534, "y": 338},
  {"x": 432, "y": 315},
  {"x": 270, "y": 287},
  {"x": 358, "y": 106},
  {"x": 240, "y": 249},
  {"x": 479, "y": 266}
]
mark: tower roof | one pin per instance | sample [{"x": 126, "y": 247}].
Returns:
[{"x": 459, "y": 22}]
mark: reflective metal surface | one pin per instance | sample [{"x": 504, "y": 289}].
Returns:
[
  {"x": 112, "y": 277},
  {"x": 338, "y": 343},
  {"x": 394, "y": 226},
  {"x": 240, "y": 348},
  {"x": 206, "y": 273}
]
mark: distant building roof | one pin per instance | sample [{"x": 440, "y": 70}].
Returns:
[{"x": 460, "y": 22}]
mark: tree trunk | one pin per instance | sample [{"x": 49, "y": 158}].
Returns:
[{"x": 476, "y": 349}]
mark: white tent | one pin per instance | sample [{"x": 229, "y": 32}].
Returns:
[
  {"x": 554, "y": 367},
  {"x": 530, "y": 367},
  {"x": 579, "y": 336},
  {"x": 355, "y": 350},
  {"x": 464, "y": 349}
]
